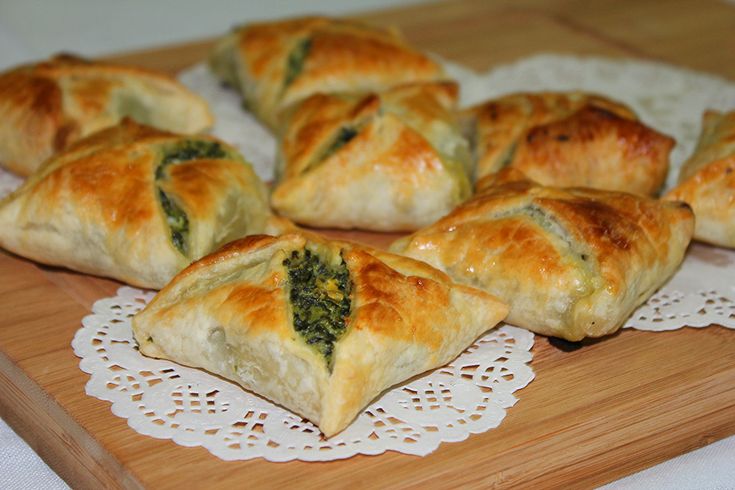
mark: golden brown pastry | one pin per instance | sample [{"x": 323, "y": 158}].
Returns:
[
  {"x": 134, "y": 203},
  {"x": 707, "y": 180},
  {"x": 276, "y": 64},
  {"x": 571, "y": 263},
  {"x": 389, "y": 161},
  {"x": 319, "y": 327},
  {"x": 569, "y": 139},
  {"x": 48, "y": 105}
]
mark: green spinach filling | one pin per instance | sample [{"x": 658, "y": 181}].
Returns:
[
  {"x": 190, "y": 150},
  {"x": 177, "y": 221},
  {"x": 320, "y": 299},
  {"x": 548, "y": 222},
  {"x": 343, "y": 136},
  {"x": 296, "y": 61},
  {"x": 176, "y": 218},
  {"x": 508, "y": 156}
]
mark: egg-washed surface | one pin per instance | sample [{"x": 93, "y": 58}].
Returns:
[
  {"x": 320, "y": 327},
  {"x": 386, "y": 161},
  {"x": 47, "y": 106},
  {"x": 707, "y": 180},
  {"x": 278, "y": 64},
  {"x": 572, "y": 263},
  {"x": 569, "y": 139},
  {"x": 134, "y": 203}
]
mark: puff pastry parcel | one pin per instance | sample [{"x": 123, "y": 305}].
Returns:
[
  {"x": 569, "y": 139},
  {"x": 707, "y": 180},
  {"x": 571, "y": 263},
  {"x": 134, "y": 203},
  {"x": 319, "y": 327},
  {"x": 389, "y": 161},
  {"x": 46, "y": 106},
  {"x": 276, "y": 64}
]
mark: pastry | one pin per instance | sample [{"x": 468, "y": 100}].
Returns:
[
  {"x": 46, "y": 106},
  {"x": 134, "y": 203},
  {"x": 276, "y": 64},
  {"x": 388, "y": 161},
  {"x": 569, "y": 139},
  {"x": 571, "y": 263},
  {"x": 707, "y": 180},
  {"x": 319, "y": 327}
]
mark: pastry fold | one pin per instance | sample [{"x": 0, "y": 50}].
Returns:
[
  {"x": 569, "y": 139},
  {"x": 134, "y": 203},
  {"x": 276, "y": 64},
  {"x": 707, "y": 180},
  {"x": 570, "y": 262},
  {"x": 44, "y": 107},
  {"x": 389, "y": 161},
  {"x": 319, "y": 327}
]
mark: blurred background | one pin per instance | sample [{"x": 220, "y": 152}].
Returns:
[{"x": 34, "y": 29}]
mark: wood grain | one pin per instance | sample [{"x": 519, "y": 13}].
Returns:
[{"x": 592, "y": 415}]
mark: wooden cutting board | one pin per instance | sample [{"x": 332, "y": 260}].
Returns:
[{"x": 592, "y": 415}]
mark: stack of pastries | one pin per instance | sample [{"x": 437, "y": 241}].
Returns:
[{"x": 541, "y": 207}]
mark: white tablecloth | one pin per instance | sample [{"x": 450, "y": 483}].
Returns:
[{"x": 33, "y": 30}]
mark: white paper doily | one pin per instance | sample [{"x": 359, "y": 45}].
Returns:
[
  {"x": 701, "y": 293},
  {"x": 168, "y": 401},
  {"x": 191, "y": 407}
]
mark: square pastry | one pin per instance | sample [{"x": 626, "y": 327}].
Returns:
[
  {"x": 320, "y": 327},
  {"x": 570, "y": 262}
]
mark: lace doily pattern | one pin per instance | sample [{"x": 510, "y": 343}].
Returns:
[
  {"x": 700, "y": 294},
  {"x": 193, "y": 408}
]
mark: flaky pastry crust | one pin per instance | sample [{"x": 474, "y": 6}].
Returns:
[
  {"x": 569, "y": 139},
  {"x": 231, "y": 313},
  {"x": 110, "y": 205},
  {"x": 276, "y": 64},
  {"x": 571, "y": 263},
  {"x": 46, "y": 106},
  {"x": 386, "y": 162},
  {"x": 707, "y": 180}
]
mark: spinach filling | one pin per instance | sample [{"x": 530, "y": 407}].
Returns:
[
  {"x": 508, "y": 156},
  {"x": 177, "y": 221},
  {"x": 343, "y": 136},
  {"x": 548, "y": 222},
  {"x": 296, "y": 61},
  {"x": 176, "y": 218},
  {"x": 190, "y": 150},
  {"x": 320, "y": 299}
]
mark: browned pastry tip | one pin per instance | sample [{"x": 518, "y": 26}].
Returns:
[{"x": 568, "y": 139}]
